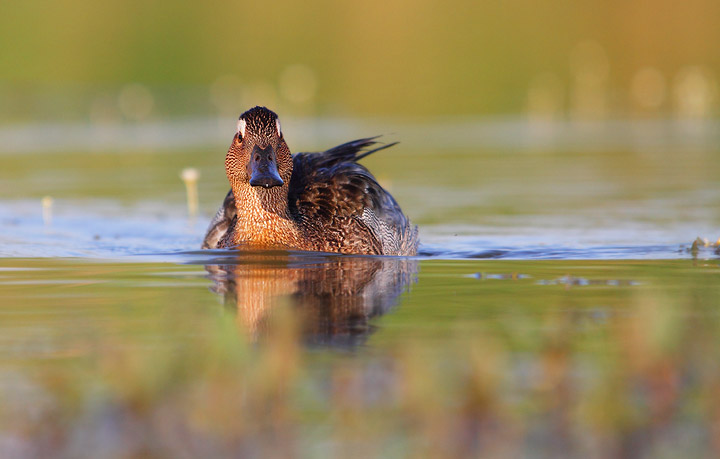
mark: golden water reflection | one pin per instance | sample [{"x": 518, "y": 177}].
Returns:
[{"x": 334, "y": 296}]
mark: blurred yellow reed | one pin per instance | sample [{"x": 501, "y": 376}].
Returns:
[
  {"x": 47, "y": 203},
  {"x": 190, "y": 176}
]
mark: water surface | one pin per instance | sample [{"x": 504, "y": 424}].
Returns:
[{"x": 556, "y": 308}]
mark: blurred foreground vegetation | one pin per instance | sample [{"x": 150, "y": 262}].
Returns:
[{"x": 490, "y": 358}]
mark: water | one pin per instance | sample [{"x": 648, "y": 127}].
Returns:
[{"x": 556, "y": 308}]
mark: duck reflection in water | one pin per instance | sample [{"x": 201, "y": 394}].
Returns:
[{"x": 335, "y": 296}]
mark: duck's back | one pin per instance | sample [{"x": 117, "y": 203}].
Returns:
[{"x": 341, "y": 205}]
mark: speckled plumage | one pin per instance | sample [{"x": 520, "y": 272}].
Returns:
[{"x": 327, "y": 201}]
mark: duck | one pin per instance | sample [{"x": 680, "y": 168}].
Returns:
[{"x": 321, "y": 202}]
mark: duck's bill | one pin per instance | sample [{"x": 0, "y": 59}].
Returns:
[{"x": 263, "y": 168}]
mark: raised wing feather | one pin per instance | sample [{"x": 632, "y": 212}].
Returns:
[{"x": 332, "y": 189}]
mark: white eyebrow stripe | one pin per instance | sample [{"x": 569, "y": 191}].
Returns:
[
  {"x": 241, "y": 127},
  {"x": 279, "y": 129}
]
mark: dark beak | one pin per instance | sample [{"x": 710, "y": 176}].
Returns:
[{"x": 263, "y": 169}]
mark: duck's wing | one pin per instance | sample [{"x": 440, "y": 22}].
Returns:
[
  {"x": 332, "y": 189},
  {"x": 215, "y": 237},
  {"x": 352, "y": 151}
]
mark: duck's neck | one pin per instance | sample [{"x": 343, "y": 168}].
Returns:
[{"x": 263, "y": 217}]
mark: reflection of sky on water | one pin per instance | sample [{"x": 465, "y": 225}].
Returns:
[
  {"x": 105, "y": 229},
  {"x": 456, "y": 132}
]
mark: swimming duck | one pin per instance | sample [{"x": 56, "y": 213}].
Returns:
[{"x": 324, "y": 202}]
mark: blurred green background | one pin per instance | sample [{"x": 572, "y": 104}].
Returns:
[{"x": 130, "y": 60}]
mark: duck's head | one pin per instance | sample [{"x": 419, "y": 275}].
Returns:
[{"x": 259, "y": 155}]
